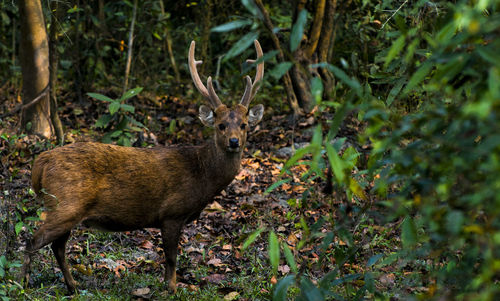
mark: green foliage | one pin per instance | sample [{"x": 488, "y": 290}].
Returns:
[
  {"x": 432, "y": 116},
  {"x": 120, "y": 124},
  {"x": 7, "y": 286}
]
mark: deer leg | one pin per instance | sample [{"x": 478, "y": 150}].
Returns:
[
  {"x": 49, "y": 232},
  {"x": 170, "y": 233},
  {"x": 59, "y": 249}
]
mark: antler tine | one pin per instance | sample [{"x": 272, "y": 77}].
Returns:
[
  {"x": 245, "y": 100},
  {"x": 211, "y": 92},
  {"x": 247, "y": 96},
  {"x": 209, "y": 95}
]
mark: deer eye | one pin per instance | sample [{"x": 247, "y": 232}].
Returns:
[
  {"x": 243, "y": 126},
  {"x": 222, "y": 126}
]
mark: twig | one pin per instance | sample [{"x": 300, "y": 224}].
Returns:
[{"x": 401, "y": 6}]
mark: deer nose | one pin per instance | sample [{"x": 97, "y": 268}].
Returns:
[{"x": 234, "y": 142}]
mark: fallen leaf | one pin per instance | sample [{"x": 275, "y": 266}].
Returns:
[
  {"x": 284, "y": 269},
  {"x": 231, "y": 296},
  {"x": 141, "y": 292},
  {"x": 215, "y": 278},
  {"x": 215, "y": 206},
  {"x": 147, "y": 244},
  {"x": 273, "y": 280},
  {"x": 215, "y": 262}
]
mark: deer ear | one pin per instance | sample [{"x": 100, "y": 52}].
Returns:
[
  {"x": 255, "y": 114},
  {"x": 206, "y": 116}
]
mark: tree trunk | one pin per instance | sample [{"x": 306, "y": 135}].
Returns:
[
  {"x": 314, "y": 50},
  {"x": 34, "y": 57},
  {"x": 168, "y": 45},
  {"x": 287, "y": 81},
  {"x": 325, "y": 44},
  {"x": 54, "y": 59},
  {"x": 205, "y": 36},
  {"x": 130, "y": 44}
]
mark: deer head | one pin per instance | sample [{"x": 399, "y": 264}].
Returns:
[{"x": 231, "y": 124}]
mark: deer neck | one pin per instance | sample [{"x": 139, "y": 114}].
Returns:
[{"x": 221, "y": 166}]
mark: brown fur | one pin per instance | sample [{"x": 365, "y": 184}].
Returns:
[{"x": 123, "y": 188}]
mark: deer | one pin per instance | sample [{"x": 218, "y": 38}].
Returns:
[{"x": 117, "y": 188}]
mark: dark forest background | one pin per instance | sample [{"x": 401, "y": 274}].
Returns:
[{"x": 375, "y": 173}]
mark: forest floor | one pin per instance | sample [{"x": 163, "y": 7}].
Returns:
[{"x": 211, "y": 263}]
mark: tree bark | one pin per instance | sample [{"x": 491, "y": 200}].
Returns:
[
  {"x": 287, "y": 81},
  {"x": 34, "y": 57},
  {"x": 54, "y": 59},
  {"x": 326, "y": 43},
  {"x": 314, "y": 36}
]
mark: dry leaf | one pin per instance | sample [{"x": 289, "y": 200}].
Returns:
[
  {"x": 215, "y": 278},
  {"x": 215, "y": 206},
  {"x": 231, "y": 296},
  {"x": 273, "y": 280},
  {"x": 141, "y": 292},
  {"x": 284, "y": 269},
  {"x": 147, "y": 244},
  {"x": 215, "y": 262}
]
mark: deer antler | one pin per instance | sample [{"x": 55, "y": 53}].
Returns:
[
  {"x": 209, "y": 94},
  {"x": 251, "y": 89}
]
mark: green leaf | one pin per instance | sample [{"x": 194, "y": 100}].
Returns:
[
  {"x": 19, "y": 226},
  {"x": 289, "y": 257},
  {"x": 395, "y": 49},
  {"x": 454, "y": 221},
  {"x": 241, "y": 45},
  {"x": 490, "y": 55},
  {"x": 281, "y": 288},
  {"x": 251, "y": 238},
  {"x": 418, "y": 76},
  {"x": 372, "y": 260},
  {"x": 301, "y": 152},
  {"x": 252, "y": 8},
  {"x": 113, "y": 107},
  {"x": 395, "y": 91},
  {"x": 494, "y": 82},
  {"x": 446, "y": 33},
  {"x": 231, "y": 25},
  {"x": 335, "y": 163},
  {"x": 317, "y": 89},
  {"x": 298, "y": 30},
  {"x": 100, "y": 97},
  {"x": 408, "y": 233},
  {"x": 116, "y": 134},
  {"x": 351, "y": 82},
  {"x": 309, "y": 291},
  {"x": 274, "y": 251},
  {"x": 279, "y": 70},
  {"x": 127, "y": 108},
  {"x": 131, "y": 93},
  {"x": 276, "y": 185},
  {"x": 103, "y": 121}
]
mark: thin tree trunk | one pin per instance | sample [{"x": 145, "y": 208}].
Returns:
[
  {"x": 205, "y": 35},
  {"x": 168, "y": 44},
  {"x": 130, "y": 44},
  {"x": 314, "y": 35},
  {"x": 34, "y": 57},
  {"x": 325, "y": 44},
  {"x": 54, "y": 59},
  {"x": 287, "y": 82},
  {"x": 77, "y": 57}
]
